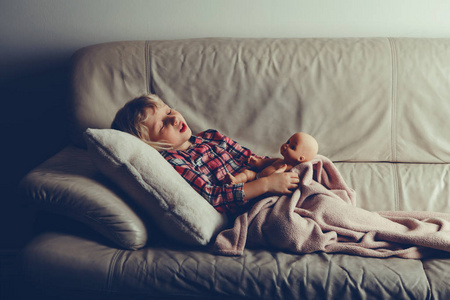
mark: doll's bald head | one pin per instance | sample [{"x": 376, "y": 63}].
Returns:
[{"x": 301, "y": 147}]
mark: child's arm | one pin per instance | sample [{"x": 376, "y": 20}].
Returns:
[
  {"x": 277, "y": 183},
  {"x": 223, "y": 197}
]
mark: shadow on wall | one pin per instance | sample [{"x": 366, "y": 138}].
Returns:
[{"x": 33, "y": 120}]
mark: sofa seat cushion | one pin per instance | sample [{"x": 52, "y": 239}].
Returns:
[{"x": 57, "y": 260}]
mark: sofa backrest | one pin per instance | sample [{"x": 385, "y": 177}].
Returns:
[
  {"x": 379, "y": 107},
  {"x": 372, "y": 99}
]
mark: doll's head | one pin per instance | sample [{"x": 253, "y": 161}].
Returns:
[{"x": 300, "y": 147}]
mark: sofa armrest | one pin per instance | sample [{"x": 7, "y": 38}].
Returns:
[{"x": 69, "y": 184}]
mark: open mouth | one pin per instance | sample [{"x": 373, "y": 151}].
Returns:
[{"x": 183, "y": 127}]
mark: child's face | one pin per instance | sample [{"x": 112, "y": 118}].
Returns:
[{"x": 167, "y": 125}]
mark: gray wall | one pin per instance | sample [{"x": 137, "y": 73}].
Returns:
[{"x": 37, "y": 38}]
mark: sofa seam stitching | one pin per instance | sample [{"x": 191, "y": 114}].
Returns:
[
  {"x": 112, "y": 269},
  {"x": 396, "y": 186},
  {"x": 148, "y": 68},
  {"x": 394, "y": 119},
  {"x": 430, "y": 290},
  {"x": 393, "y": 100}
]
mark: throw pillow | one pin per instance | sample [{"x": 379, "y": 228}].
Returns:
[{"x": 154, "y": 185}]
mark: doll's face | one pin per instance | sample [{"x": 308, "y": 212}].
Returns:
[{"x": 299, "y": 148}]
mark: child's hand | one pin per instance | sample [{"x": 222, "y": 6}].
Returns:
[{"x": 282, "y": 182}]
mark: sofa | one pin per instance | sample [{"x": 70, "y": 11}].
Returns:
[{"x": 378, "y": 107}]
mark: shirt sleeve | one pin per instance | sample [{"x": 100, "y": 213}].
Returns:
[
  {"x": 240, "y": 151},
  {"x": 224, "y": 198},
  {"x": 233, "y": 147}
]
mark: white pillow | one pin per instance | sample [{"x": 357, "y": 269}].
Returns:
[{"x": 153, "y": 183}]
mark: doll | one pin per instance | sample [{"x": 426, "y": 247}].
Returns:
[{"x": 301, "y": 147}]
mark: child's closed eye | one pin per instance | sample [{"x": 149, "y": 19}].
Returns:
[
  {"x": 169, "y": 112},
  {"x": 164, "y": 123}
]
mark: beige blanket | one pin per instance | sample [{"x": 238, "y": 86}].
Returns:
[{"x": 321, "y": 216}]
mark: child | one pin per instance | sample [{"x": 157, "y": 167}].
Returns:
[
  {"x": 203, "y": 159},
  {"x": 301, "y": 147}
]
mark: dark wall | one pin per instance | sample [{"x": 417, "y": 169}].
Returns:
[{"x": 33, "y": 127}]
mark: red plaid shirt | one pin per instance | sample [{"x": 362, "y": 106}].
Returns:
[{"x": 205, "y": 164}]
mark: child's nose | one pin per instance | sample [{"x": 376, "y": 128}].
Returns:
[{"x": 175, "y": 120}]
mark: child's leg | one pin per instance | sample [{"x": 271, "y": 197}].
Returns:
[{"x": 243, "y": 177}]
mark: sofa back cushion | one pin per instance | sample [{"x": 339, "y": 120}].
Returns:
[
  {"x": 379, "y": 106},
  {"x": 373, "y": 99}
]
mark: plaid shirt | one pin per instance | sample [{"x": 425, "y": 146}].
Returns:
[{"x": 205, "y": 164}]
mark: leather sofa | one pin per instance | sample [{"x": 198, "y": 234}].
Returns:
[{"x": 378, "y": 107}]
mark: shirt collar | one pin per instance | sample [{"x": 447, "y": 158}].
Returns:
[{"x": 195, "y": 139}]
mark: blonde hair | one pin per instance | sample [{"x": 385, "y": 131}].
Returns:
[{"x": 131, "y": 117}]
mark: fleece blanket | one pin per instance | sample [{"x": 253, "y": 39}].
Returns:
[{"x": 321, "y": 216}]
